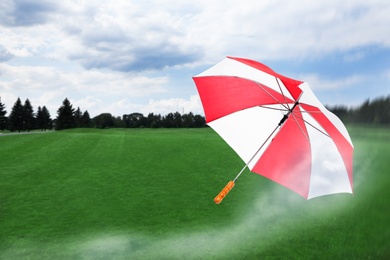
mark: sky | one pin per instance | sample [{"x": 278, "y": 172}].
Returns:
[{"x": 121, "y": 57}]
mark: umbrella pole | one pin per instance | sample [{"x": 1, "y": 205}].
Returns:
[
  {"x": 276, "y": 128},
  {"x": 218, "y": 199},
  {"x": 230, "y": 184},
  {"x": 251, "y": 159}
]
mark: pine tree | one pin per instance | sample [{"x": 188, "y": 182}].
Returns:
[
  {"x": 78, "y": 117},
  {"x": 39, "y": 118},
  {"x": 16, "y": 117},
  {"x": 3, "y": 119},
  {"x": 28, "y": 116},
  {"x": 43, "y": 119},
  {"x": 65, "y": 117},
  {"x": 47, "y": 122},
  {"x": 86, "y": 119}
]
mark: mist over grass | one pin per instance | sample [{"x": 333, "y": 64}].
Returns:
[{"x": 98, "y": 194}]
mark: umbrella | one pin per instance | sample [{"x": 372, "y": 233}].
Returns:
[{"x": 278, "y": 128}]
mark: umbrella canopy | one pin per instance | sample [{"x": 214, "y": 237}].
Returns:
[{"x": 277, "y": 126}]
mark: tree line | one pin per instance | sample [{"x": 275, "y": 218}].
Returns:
[
  {"x": 23, "y": 118},
  {"x": 376, "y": 111}
]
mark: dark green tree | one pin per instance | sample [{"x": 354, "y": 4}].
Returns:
[
  {"x": 199, "y": 121},
  {"x": 43, "y": 120},
  {"x": 133, "y": 120},
  {"x": 118, "y": 122},
  {"x": 3, "y": 119},
  {"x": 78, "y": 117},
  {"x": 65, "y": 116},
  {"x": 39, "y": 118},
  {"x": 85, "y": 119},
  {"x": 168, "y": 121},
  {"x": 379, "y": 110},
  {"x": 104, "y": 120},
  {"x": 177, "y": 120},
  {"x": 157, "y": 121},
  {"x": 47, "y": 122},
  {"x": 28, "y": 116},
  {"x": 153, "y": 121},
  {"x": 16, "y": 117},
  {"x": 376, "y": 111},
  {"x": 188, "y": 120}
]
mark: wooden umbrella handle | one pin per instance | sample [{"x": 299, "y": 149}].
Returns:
[{"x": 224, "y": 192}]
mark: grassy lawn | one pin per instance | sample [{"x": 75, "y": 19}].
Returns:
[{"x": 147, "y": 194}]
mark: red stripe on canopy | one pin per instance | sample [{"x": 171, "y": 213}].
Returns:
[
  {"x": 291, "y": 84},
  {"x": 287, "y": 159},
  {"x": 223, "y": 95},
  {"x": 342, "y": 144}
]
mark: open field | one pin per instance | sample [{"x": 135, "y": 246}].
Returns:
[{"x": 148, "y": 194}]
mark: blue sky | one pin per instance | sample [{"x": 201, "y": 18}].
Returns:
[{"x": 139, "y": 56}]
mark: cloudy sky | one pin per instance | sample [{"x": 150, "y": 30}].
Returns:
[{"x": 139, "y": 56}]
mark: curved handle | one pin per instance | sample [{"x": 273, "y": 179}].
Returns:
[{"x": 224, "y": 192}]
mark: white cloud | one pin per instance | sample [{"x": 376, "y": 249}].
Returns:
[
  {"x": 89, "y": 103},
  {"x": 8, "y": 99},
  {"x": 104, "y": 55},
  {"x": 180, "y": 105},
  {"x": 354, "y": 56},
  {"x": 122, "y": 35},
  {"x": 162, "y": 106},
  {"x": 273, "y": 30},
  {"x": 316, "y": 82},
  {"x": 48, "y": 86}
]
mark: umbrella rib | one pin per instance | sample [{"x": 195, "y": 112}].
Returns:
[
  {"x": 316, "y": 128},
  {"x": 250, "y": 160},
  {"x": 271, "y": 95},
  {"x": 273, "y": 108},
  {"x": 281, "y": 91},
  {"x": 311, "y": 112},
  {"x": 300, "y": 128},
  {"x": 279, "y": 126}
]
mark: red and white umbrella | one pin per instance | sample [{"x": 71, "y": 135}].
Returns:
[{"x": 278, "y": 128}]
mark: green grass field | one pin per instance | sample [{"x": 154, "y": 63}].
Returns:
[{"x": 148, "y": 194}]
